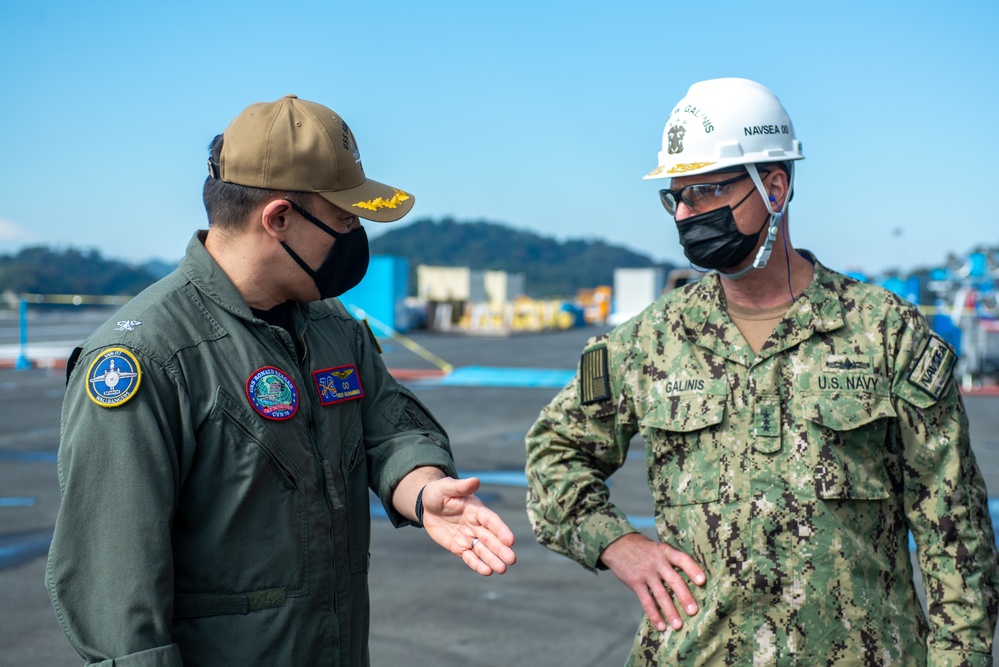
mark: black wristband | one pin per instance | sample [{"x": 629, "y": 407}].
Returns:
[{"x": 419, "y": 508}]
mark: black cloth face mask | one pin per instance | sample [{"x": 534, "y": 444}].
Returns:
[
  {"x": 712, "y": 241},
  {"x": 346, "y": 264}
]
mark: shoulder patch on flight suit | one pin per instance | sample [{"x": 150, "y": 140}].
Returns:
[
  {"x": 113, "y": 377},
  {"x": 371, "y": 334},
  {"x": 594, "y": 378},
  {"x": 933, "y": 367}
]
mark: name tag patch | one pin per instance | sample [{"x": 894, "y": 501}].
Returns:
[
  {"x": 272, "y": 393},
  {"x": 336, "y": 385},
  {"x": 849, "y": 382}
]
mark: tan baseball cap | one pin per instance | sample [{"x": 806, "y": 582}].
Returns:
[{"x": 301, "y": 146}]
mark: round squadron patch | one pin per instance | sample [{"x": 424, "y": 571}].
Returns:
[
  {"x": 272, "y": 393},
  {"x": 113, "y": 377}
]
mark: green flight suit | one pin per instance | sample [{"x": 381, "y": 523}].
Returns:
[
  {"x": 792, "y": 476},
  {"x": 215, "y": 505}
]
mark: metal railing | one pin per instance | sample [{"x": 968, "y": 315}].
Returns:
[{"x": 27, "y": 299}]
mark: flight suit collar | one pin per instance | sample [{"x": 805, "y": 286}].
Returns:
[{"x": 204, "y": 272}]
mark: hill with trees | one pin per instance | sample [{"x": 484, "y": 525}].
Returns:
[
  {"x": 551, "y": 267},
  {"x": 41, "y": 270}
]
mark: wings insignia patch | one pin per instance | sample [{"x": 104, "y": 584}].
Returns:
[{"x": 339, "y": 384}]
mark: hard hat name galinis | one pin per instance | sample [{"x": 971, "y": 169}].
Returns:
[{"x": 696, "y": 113}]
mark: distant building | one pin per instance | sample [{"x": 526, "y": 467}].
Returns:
[
  {"x": 502, "y": 287},
  {"x": 382, "y": 293},
  {"x": 447, "y": 284},
  {"x": 634, "y": 290},
  {"x": 463, "y": 284}
]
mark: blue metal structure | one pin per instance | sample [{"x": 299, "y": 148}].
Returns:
[
  {"x": 383, "y": 291},
  {"x": 23, "y": 363}
]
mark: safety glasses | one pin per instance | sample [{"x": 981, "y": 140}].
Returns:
[{"x": 701, "y": 196}]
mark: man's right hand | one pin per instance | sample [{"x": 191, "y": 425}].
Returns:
[{"x": 649, "y": 569}]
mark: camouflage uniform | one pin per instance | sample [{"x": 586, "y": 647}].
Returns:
[{"x": 792, "y": 476}]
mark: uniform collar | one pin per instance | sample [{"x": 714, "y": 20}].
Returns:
[
  {"x": 205, "y": 273},
  {"x": 706, "y": 323}
]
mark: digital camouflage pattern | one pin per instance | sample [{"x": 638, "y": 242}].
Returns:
[{"x": 792, "y": 477}]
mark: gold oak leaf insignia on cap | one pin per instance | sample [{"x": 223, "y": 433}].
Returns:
[{"x": 375, "y": 204}]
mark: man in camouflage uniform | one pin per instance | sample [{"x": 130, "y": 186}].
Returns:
[{"x": 798, "y": 424}]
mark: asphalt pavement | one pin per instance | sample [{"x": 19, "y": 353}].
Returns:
[{"x": 427, "y": 607}]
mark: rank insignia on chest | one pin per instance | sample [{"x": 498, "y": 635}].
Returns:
[
  {"x": 113, "y": 377},
  {"x": 336, "y": 385},
  {"x": 272, "y": 393}
]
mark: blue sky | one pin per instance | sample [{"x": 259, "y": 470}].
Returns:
[{"x": 542, "y": 116}]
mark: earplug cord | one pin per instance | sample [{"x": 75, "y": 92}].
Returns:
[{"x": 787, "y": 260}]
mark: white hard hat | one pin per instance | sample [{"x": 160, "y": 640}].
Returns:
[{"x": 724, "y": 123}]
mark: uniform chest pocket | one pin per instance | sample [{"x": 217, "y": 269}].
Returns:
[
  {"x": 681, "y": 441},
  {"x": 241, "y": 526},
  {"x": 847, "y": 438}
]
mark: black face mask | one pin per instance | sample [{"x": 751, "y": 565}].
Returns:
[
  {"x": 711, "y": 240},
  {"x": 346, "y": 264}
]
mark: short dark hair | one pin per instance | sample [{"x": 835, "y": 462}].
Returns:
[
  {"x": 760, "y": 166},
  {"x": 783, "y": 166},
  {"x": 229, "y": 204}
]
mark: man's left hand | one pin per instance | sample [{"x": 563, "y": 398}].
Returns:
[{"x": 460, "y": 522}]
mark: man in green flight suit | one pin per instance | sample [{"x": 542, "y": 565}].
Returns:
[
  {"x": 220, "y": 435},
  {"x": 798, "y": 424}
]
